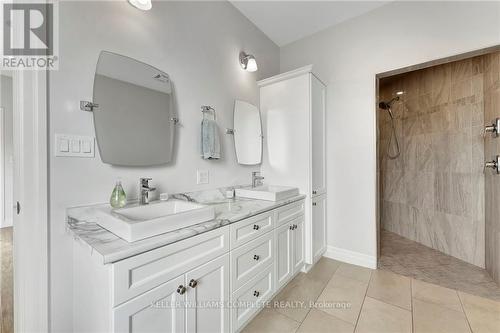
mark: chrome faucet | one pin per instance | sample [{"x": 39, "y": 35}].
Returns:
[
  {"x": 256, "y": 178},
  {"x": 144, "y": 190}
]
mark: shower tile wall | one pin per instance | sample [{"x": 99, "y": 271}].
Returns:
[
  {"x": 433, "y": 193},
  {"x": 492, "y": 148}
]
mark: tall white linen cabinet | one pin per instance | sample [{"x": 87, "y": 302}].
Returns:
[{"x": 293, "y": 119}]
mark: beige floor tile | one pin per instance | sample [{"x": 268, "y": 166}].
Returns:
[
  {"x": 343, "y": 303},
  {"x": 318, "y": 321},
  {"x": 432, "y": 293},
  {"x": 269, "y": 320},
  {"x": 340, "y": 281},
  {"x": 390, "y": 288},
  {"x": 323, "y": 269},
  {"x": 301, "y": 290},
  {"x": 483, "y": 314},
  {"x": 433, "y": 318},
  {"x": 355, "y": 272},
  {"x": 377, "y": 316}
]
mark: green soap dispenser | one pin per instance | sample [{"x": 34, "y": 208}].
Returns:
[{"x": 118, "y": 197}]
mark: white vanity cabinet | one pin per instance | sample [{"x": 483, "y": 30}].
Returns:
[
  {"x": 211, "y": 282},
  {"x": 293, "y": 107}
]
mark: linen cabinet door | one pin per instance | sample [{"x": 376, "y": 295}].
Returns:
[
  {"x": 284, "y": 270},
  {"x": 158, "y": 310},
  {"x": 319, "y": 226},
  {"x": 298, "y": 244},
  {"x": 318, "y": 137},
  {"x": 207, "y": 297}
]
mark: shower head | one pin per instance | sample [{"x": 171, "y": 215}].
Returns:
[{"x": 387, "y": 105}]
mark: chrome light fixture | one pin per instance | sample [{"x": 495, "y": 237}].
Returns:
[
  {"x": 247, "y": 62},
  {"x": 141, "y": 4}
]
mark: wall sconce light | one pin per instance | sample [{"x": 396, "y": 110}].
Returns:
[
  {"x": 141, "y": 4},
  {"x": 247, "y": 62}
]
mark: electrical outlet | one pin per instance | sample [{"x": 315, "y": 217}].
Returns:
[{"x": 202, "y": 176}]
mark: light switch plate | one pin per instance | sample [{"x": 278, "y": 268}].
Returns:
[
  {"x": 202, "y": 177},
  {"x": 67, "y": 145}
]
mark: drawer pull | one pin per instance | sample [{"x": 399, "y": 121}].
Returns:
[
  {"x": 291, "y": 227},
  {"x": 256, "y": 257},
  {"x": 314, "y": 192},
  {"x": 314, "y": 204},
  {"x": 256, "y": 227},
  {"x": 193, "y": 283},
  {"x": 256, "y": 293},
  {"x": 181, "y": 290}
]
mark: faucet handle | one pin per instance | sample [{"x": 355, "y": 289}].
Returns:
[{"x": 145, "y": 181}]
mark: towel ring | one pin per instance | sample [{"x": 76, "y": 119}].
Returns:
[{"x": 208, "y": 109}]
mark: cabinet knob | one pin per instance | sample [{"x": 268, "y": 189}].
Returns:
[
  {"x": 256, "y": 293},
  {"x": 256, "y": 227},
  {"x": 314, "y": 192},
  {"x": 256, "y": 257},
  {"x": 314, "y": 204},
  {"x": 294, "y": 226},
  {"x": 181, "y": 290},
  {"x": 291, "y": 227},
  {"x": 193, "y": 283}
]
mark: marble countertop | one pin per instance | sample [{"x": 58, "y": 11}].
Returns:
[{"x": 81, "y": 223}]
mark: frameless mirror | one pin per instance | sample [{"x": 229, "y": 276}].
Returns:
[
  {"x": 134, "y": 118},
  {"x": 247, "y": 133}
]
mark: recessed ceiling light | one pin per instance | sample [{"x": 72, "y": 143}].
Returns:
[{"x": 141, "y": 4}]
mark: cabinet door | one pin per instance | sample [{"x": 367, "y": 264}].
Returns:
[
  {"x": 318, "y": 139},
  {"x": 318, "y": 225},
  {"x": 208, "y": 289},
  {"x": 298, "y": 244},
  {"x": 284, "y": 269},
  {"x": 158, "y": 310}
]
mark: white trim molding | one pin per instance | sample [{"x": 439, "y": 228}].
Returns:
[{"x": 351, "y": 257}]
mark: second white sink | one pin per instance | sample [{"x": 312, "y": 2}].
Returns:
[
  {"x": 138, "y": 222},
  {"x": 268, "y": 192}
]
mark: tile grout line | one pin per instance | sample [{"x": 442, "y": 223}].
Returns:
[
  {"x": 463, "y": 310},
  {"x": 363, "y": 303},
  {"x": 412, "y": 307},
  {"x": 309, "y": 311}
]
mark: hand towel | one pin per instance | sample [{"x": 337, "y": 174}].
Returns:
[{"x": 210, "y": 144}]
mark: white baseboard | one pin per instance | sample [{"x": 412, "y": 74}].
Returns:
[{"x": 351, "y": 257}]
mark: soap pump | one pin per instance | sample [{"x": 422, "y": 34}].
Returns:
[{"x": 118, "y": 197}]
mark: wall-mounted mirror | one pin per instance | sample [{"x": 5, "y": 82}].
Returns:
[
  {"x": 135, "y": 118},
  {"x": 247, "y": 133}
]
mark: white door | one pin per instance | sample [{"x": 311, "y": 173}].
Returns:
[
  {"x": 318, "y": 120},
  {"x": 298, "y": 244},
  {"x": 158, "y": 310},
  {"x": 208, "y": 289},
  {"x": 30, "y": 248},
  {"x": 284, "y": 270},
  {"x": 319, "y": 225}
]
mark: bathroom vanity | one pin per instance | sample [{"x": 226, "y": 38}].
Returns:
[{"x": 209, "y": 277}]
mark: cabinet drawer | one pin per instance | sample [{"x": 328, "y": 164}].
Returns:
[
  {"x": 289, "y": 212},
  {"x": 138, "y": 274},
  {"x": 251, "y": 297},
  {"x": 251, "y": 228},
  {"x": 250, "y": 258}
]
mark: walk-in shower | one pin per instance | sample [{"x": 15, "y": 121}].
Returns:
[
  {"x": 437, "y": 202},
  {"x": 387, "y": 106}
]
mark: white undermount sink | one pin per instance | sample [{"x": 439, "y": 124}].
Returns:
[
  {"x": 267, "y": 192},
  {"x": 138, "y": 222}
]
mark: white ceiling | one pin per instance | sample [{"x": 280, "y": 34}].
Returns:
[{"x": 288, "y": 21}]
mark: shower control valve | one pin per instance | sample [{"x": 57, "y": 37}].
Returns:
[
  {"x": 495, "y": 164},
  {"x": 493, "y": 128}
]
